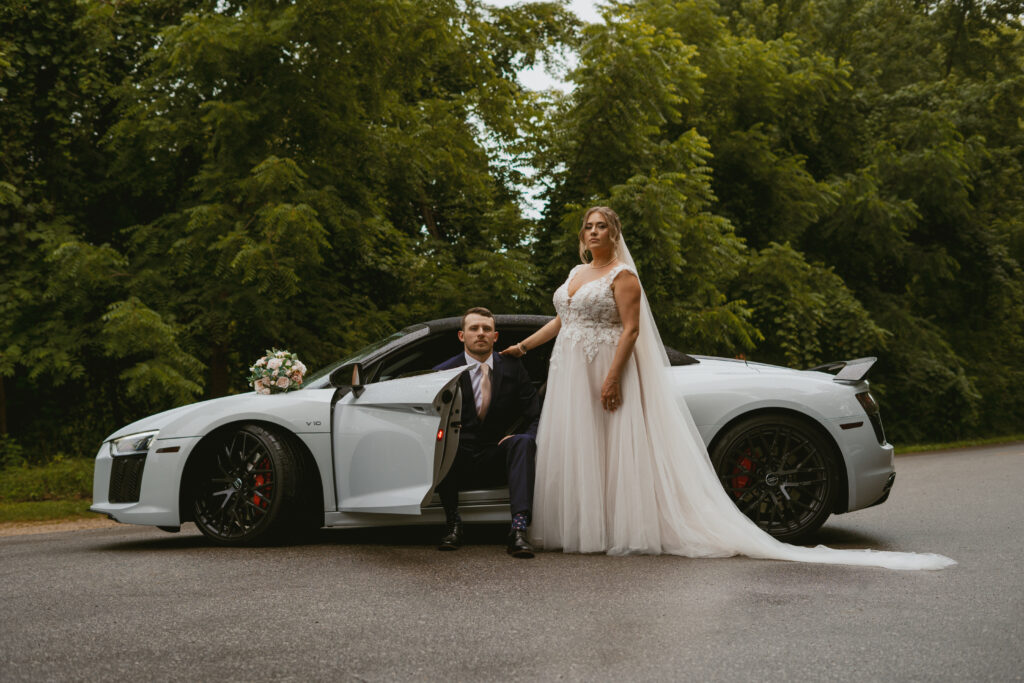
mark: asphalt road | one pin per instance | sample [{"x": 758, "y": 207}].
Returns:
[{"x": 384, "y": 604}]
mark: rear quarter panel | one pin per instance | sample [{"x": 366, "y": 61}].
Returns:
[{"x": 717, "y": 392}]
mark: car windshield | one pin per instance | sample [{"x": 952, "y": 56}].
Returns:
[{"x": 361, "y": 354}]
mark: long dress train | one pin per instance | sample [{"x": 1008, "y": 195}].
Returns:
[{"x": 639, "y": 480}]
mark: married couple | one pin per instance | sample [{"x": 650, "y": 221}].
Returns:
[{"x": 620, "y": 465}]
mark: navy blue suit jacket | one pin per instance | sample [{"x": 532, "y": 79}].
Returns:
[{"x": 513, "y": 399}]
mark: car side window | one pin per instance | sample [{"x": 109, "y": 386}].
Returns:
[
  {"x": 419, "y": 358},
  {"x": 434, "y": 350}
]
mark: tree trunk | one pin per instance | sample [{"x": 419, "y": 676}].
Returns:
[
  {"x": 959, "y": 12},
  {"x": 218, "y": 372},
  {"x": 3, "y": 409},
  {"x": 428, "y": 218}
]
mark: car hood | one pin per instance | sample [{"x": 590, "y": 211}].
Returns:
[
  {"x": 159, "y": 420},
  {"x": 306, "y": 411},
  {"x": 236, "y": 404}
]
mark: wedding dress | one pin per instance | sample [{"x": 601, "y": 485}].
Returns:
[{"x": 639, "y": 480}]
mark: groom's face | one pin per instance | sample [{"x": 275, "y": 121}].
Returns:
[{"x": 478, "y": 335}]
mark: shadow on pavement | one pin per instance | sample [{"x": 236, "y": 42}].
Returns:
[
  {"x": 843, "y": 538},
  {"x": 427, "y": 536},
  {"x": 418, "y": 535},
  {"x": 406, "y": 536}
]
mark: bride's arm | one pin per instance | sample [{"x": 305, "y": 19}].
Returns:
[
  {"x": 627, "y": 300},
  {"x": 541, "y": 336}
]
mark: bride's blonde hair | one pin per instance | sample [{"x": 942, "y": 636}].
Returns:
[{"x": 613, "y": 224}]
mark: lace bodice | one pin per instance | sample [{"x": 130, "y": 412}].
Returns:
[{"x": 590, "y": 317}]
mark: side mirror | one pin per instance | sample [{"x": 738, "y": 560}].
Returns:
[{"x": 349, "y": 376}]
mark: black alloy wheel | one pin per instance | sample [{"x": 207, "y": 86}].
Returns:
[
  {"x": 780, "y": 472},
  {"x": 246, "y": 491}
]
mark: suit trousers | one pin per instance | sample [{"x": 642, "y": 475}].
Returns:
[{"x": 513, "y": 462}]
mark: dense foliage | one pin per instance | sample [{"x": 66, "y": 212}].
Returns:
[{"x": 184, "y": 183}]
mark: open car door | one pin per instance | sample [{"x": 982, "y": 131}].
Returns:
[{"x": 394, "y": 441}]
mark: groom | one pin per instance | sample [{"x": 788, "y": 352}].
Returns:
[{"x": 496, "y": 395}]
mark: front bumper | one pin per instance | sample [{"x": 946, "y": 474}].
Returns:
[{"x": 156, "y": 478}]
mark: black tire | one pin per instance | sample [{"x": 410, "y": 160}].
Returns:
[
  {"x": 247, "y": 488},
  {"x": 781, "y": 473}
]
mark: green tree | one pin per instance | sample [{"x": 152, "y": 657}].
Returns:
[
  {"x": 708, "y": 99},
  {"x": 615, "y": 139},
  {"x": 883, "y": 140},
  {"x": 325, "y": 172},
  {"x": 56, "y": 202}
]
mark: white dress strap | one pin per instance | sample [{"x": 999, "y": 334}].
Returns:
[{"x": 617, "y": 270}]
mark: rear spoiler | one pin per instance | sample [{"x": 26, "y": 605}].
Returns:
[{"x": 847, "y": 371}]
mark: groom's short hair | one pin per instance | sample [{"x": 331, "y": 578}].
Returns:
[{"x": 478, "y": 310}]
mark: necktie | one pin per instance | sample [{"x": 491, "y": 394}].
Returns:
[{"x": 484, "y": 401}]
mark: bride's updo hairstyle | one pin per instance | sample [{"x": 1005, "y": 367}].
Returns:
[{"x": 613, "y": 224}]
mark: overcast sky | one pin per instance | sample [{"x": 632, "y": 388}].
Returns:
[{"x": 537, "y": 79}]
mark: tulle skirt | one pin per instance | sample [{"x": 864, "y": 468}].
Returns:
[{"x": 639, "y": 480}]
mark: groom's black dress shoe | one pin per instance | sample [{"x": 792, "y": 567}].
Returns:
[
  {"x": 453, "y": 539},
  {"x": 518, "y": 546}
]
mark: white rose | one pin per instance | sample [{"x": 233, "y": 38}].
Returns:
[
  {"x": 261, "y": 362},
  {"x": 274, "y": 363},
  {"x": 299, "y": 366}
]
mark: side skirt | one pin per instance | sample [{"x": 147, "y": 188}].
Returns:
[{"x": 476, "y": 507}]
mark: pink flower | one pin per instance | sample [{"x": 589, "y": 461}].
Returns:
[
  {"x": 261, "y": 362},
  {"x": 274, "y": 363},
  {"x": 283, "y": 382},
  {"x": 296, "y": 376}
]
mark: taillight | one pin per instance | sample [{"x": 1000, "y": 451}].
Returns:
[
  {"x": 868, "y": 403},
  {"x": 870, "y": 406},
  {"x": 440, "y": 434}
]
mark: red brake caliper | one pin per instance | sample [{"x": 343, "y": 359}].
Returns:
[
  {"x": 260, "y": 481},
  {"x": 742, "y": 471}
]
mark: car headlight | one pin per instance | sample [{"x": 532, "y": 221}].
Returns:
[{"x": 133, "y": 443}]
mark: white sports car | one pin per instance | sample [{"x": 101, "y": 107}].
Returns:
[{"x": 367, "y": 439}]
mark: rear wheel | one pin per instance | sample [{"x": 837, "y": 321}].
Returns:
[
  {"x": 246, "y": 490},
  {"x": 780, "y": 472}
]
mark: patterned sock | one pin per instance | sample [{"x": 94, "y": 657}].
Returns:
[
  {"x": 519, "y": 521},
  {"x": 452, "y": 517}
]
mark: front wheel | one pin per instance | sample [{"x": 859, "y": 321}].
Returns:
[
  {"x": 247, "y": 487},
  {"x": 780, "y": 472}
]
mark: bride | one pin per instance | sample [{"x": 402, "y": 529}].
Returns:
[{"x": 621, "y": 467}]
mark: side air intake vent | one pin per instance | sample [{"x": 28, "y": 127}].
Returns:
[{"x": 126, "y": 478}]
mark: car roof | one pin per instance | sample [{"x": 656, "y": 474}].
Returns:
[
  {"x": 500, "y": 320},
  {"x": 512, "y": 320}
]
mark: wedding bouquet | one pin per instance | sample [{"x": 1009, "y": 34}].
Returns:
[{"x": 276, "y": 372}]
